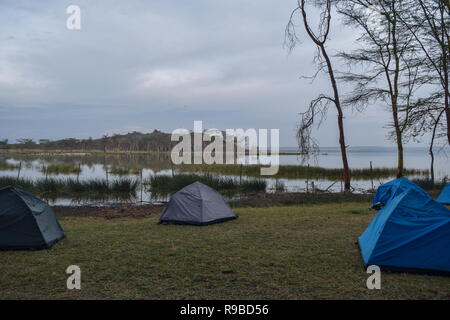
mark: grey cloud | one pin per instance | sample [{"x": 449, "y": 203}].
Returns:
[{"x": 157, "y": 64}]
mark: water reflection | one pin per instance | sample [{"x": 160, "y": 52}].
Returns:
[{"x": 141, "y": 167}]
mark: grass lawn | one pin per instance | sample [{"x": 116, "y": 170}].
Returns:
[{"x": 295, "y": 252}]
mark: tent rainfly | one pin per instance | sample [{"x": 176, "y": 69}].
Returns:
[
  {"x": 393, "y": 188},
  {"x": 444, "y": 197},
  {"x": 410, "y": 233},
  {"x": 196, "y": 204},
  {"x": 26, "y": 222}
]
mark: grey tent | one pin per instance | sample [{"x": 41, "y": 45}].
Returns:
[
  {"x": 197, "y": 204},
  {"x": 26, "y": 222}
]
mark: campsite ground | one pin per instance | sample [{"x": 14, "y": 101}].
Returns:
[{"x": 290, "y": 252}]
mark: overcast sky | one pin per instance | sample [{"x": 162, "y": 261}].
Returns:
[{"x": 144, "y": 65}]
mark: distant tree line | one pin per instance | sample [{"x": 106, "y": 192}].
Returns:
[
  {"x": 156, "y": 141},
  {"x": 401, "y": 61},
  {"x": 131, "y": 142}
]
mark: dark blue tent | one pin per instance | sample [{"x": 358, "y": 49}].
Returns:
[
  {"x": 444, "y": 197},
  {"x": 410, "y": 233},
  {"x": 392, "y": 189},
  {"x": 26, "y": 222}
]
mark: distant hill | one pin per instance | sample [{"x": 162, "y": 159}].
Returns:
[
  {"x": 130, "y": 142},
  {"x": 156, "y": 141}
]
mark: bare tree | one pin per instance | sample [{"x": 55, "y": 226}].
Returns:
[
  {"x": 446, "y": 4},
  {"x": 426, "y": 117},
  {"x": 387, "y": 61},
  {"x": 429, "y": 23},
  {"x": 318, "y": 107}
]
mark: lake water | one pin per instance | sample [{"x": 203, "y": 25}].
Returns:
[{"x": 94, "y": 166}]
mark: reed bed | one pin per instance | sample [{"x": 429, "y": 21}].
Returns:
[
  {"x": 299, "y": 172},
  {"x": 121, "y": 171},
  {"x": 164, "y": 184},
  {"x": 68, "y": 187},
  {"x": 61, "y": 168},
  {"x": 24, "y": 184}
]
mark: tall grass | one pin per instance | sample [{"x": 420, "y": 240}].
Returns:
[
  {"x": 164, "y": 184},
  {"x": 24, "y": 184},
  {"x": 68, "y": 187},
  {"x": 122, "y": 171},
  {"x": 300, "y": 172},
  {"x": 124, "y": 185},
  {"x": 61, "y": 168}
]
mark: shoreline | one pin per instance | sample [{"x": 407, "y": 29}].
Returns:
[
  {"x": 92, "y": 152},
  {"x": 255, "y": 200}
]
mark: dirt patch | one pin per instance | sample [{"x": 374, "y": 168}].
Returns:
[{"x": 110, "y": 212}]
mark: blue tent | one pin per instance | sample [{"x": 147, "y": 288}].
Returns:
[
  {"x": 392, "y": 189},
  {"x": 410, "y": 233},
  {"x": 444, "y": 197}
]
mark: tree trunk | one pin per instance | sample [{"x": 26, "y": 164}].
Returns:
[
  {"x": 432, "y": 164},
  {"x": 447, "y": 109},
  {"x": 445, "y": 63},
  {"x": 398, "y": 137},
  {"x": 346, "y": 169},
  {"x": 431, "y": 151},
  {"x": 394, "y": 96},
  {"x": 400, "y": 164}
]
